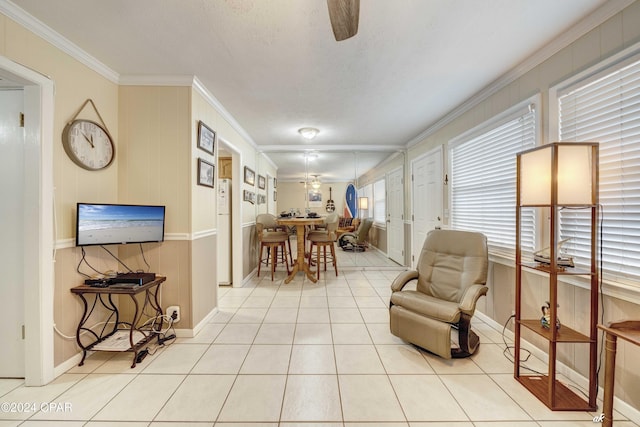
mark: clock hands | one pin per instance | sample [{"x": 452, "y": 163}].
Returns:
[{"x": 90, "y": 141}]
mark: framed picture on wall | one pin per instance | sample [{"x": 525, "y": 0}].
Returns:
[
  {"x": 275, "y": 183},
  {"x": 249, "y": 176},
  {"x": 206, "y": 172},
  {"x": 206, "y": 138},
  {"x": 275, "y": 196},
  {"x": 262, "y": 182},
  {"x": 248, "y": 196}
]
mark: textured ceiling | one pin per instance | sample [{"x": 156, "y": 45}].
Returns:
[{"x": 275, "y": 66}]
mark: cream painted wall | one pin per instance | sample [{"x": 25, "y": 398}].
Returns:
[
  {"x": 292, "y": 195},
  {"x": 74, "y": 84},
  {"x": 612, "y": 36}
]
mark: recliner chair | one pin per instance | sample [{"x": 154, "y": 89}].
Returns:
[
  {"x": 356, "y": 241},
  {"x": 451, "y": 276}
]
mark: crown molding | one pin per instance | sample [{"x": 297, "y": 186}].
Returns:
[
  {"x": 36, "y": 26},
  {"x": 597, "y": 17},
  {"x": 213, "y": 101},
  {"x": 156, "y": 80}
]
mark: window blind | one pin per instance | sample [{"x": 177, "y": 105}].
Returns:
[
  {"x": 607, "y": 110},
  {"x": 483, "y": 182}
]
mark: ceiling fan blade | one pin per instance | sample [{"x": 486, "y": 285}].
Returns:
[{"x": 344, "y": 16}]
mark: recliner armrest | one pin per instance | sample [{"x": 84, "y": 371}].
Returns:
[
  {"x": 472, "y": 294},
  {"x": 402, "y": 279}
]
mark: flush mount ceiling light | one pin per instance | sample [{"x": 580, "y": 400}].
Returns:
[{"x": 308, "y": 133}]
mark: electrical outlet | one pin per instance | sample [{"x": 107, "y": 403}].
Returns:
[{"x": 174, "y": 311}]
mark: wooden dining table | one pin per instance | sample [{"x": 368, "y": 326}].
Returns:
[{"x": 300, "y": 264}]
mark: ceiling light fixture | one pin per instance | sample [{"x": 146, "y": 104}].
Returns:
[
  {"x": 308, "y": 133},
  {"x": 316, "y": 182}
]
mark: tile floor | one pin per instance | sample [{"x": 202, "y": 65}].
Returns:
[{"x": 295, "y": 355}]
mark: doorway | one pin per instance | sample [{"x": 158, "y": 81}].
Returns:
[
  {"x": 12, "y": 209},
  {"x": 427, "y": 194},
  {"x": 395, "y": 215},
  {"x": 37, "y": 231},
  {"x": 229, "y": 245}
]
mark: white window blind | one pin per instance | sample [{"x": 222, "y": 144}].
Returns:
[
  {"x": 379, "y": 198},
  {"x": 607, "y": 110},
  {"x": 483, "y": 182}
]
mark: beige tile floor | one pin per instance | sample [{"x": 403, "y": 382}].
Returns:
[{"x": 295, "y": 355}]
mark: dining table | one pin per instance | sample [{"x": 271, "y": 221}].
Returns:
[{"x": 300, "y": 264}]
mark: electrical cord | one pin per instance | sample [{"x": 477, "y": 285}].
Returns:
[
  {"x": 117, "y": 259},
  {"x": 84, "y": 259},
  {"x": 144, "y": 258}
]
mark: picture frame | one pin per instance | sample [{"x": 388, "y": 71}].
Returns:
[
  {"x": 275, "y": 196},
  {"x": 275, "y": 183},
  {"x": 206, "y": 173},
  {"x": 206, "y": 138},
  {"x": 262, "y": 182},
  {"x": 248, "y": 196},
  {"x": 249, "y": 176},
  {"x": 315, "y": 199}
]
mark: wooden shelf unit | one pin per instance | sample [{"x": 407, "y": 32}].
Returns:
[{"x": 547, "y": 388}]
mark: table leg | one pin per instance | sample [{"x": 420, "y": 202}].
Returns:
[
  {"x": 609, "y": 377},
  {"x": 301, "y": 264}
]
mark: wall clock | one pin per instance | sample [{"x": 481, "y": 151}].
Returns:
[{"x": 88, "y": 144}]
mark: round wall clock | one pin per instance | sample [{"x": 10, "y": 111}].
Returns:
[{"x": 88, "y": 144}]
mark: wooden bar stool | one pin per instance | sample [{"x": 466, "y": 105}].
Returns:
[
  {"x": 324, "y": 239},
  {"x": 272, "y": 240}
]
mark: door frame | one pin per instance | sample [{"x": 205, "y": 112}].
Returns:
[
  {"x": 236, "y": 212},
  {"x": 39, "y": 279}
]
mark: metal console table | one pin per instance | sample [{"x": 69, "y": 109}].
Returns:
[{"x": 138, "y": 334}]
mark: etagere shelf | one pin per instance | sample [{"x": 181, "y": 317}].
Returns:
[{"x": 554, "y": 196}]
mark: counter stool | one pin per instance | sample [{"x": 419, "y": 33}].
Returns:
[
  {"x": 272, "y": 240},
  {"x": 322, "y": 239}
]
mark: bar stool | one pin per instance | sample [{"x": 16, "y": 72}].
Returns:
[
  {"x": 273, "y": 238},
  {"x": 322, "y": 239}
]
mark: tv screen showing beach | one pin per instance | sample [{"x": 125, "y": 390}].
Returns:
[{"x": 99, "y": 224}]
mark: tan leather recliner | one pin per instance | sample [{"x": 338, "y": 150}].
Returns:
[{"x": 451, "y": 276}]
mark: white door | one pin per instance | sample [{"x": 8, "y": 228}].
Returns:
[
  {"x": 12, "y": 212},
  {"x": 395, "y": 215},
  {"x": 426, "y": 198}
]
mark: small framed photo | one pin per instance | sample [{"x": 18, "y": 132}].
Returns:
[
  {"x": 249, "y": 176},
  {"x": 248, "y": 196},
  {"x": 206, "y": 138},
  {"x": 262, "y": 182},
  {"x": 275, "y": 196},
  {"x": 275, "y": 183},
  {"x": 206, "y": 173}
]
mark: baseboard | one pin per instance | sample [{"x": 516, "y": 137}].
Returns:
[
  {"x": 619, "y": 405},
  {"x": 70, "y": 363}
]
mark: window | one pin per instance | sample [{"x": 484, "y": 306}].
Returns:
[
  {"x": 483, "y": 180},
  {"x": 379, "y": 198},
  {"x": 605, "y": 108}
]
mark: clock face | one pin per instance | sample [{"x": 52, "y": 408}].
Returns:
[{"x": 88, "y": 144}]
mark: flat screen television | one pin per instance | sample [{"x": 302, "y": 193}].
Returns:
[{"x": 107, "y": 224}]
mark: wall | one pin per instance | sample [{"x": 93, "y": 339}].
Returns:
[
  {"x": 606, "y": 39},
  {"x": 292, "y": 195},
  {"x": 74, "y": 83}
]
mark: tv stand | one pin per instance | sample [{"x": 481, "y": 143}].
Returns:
[{"x": 116, "y": 334}]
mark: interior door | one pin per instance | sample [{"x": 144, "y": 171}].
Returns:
[
  {"x": 427, "y": 194},
  {"x": 12, "y": 212},
  {"x": 395, "y": 215}
]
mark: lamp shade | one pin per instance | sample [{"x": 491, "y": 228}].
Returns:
[
  {"x": 363, "y": 203},
  {"x": 568, "y": 170}
]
